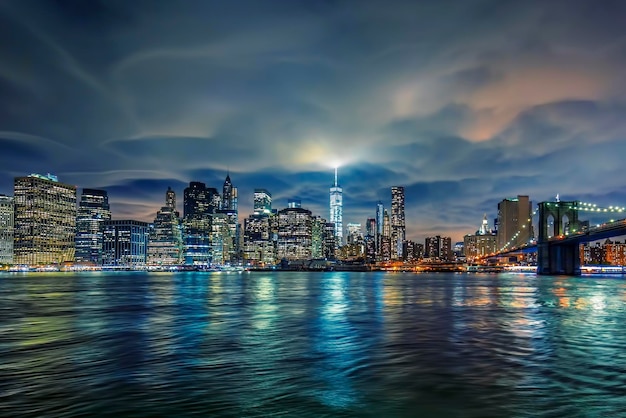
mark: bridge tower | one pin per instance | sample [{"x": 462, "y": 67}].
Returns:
[{"x": 556, "y": 219}]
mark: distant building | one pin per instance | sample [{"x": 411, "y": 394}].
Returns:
[
  {"x": 380, "y": 211},
  {"x": 165, "y": 246},
  {"x": 438, "y": 248},
  {"x": 398, "y": 222},
  {"x": 125, "y": 243},
  {"x": 93, "y": 210},
  {"x": 413, "y": 251},
  {"x": 7, "y": 209},
  {"x": 355, "y": 233},
  {"x": 258, "y": 248},
  {"x": 262, "y": 202},
  {"x": 514, "y": 217},
  {"x": 45, "y": 220},
  {"x": 482, "y": 243},
  {"x": 294, "y": 234},
  {"x": 294, "y": 203},
  {"x": 385, "y": 241}
]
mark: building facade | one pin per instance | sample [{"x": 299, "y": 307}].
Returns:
[
  {"x": 45, "y": 220},
  {"x": 7, "y": 209},
  {"x": 438, "y": 248},
  {"x": 294, "y": 234},
  {"x": 258, "y": 248},
  {"x": 125, "y": 244},
  {"x": 93, "y": 210}
]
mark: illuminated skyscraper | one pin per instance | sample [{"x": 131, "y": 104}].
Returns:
[
  {"x": 336, "y": 210},
  {"x": 385, "y": 242},
  {"x": 165, "y": 246},
  {"x": 198, "y": 206},
  {"x": 6, "y": 229},
  {"x": 93, "y": 210},
  {"x": 398, "y": 224},
  {"x": 45, "y": 220},
  {"x": 230, "y": 207},
  {"x": 378, "y": 236}
]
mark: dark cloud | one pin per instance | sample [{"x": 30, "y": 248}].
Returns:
[{"x": 463, "y": 103}]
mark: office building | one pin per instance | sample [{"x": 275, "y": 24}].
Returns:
[
  {"x": 198, "y": 206},
  {"x": 165, "y": 246},
  {"x": 336, "y": 210},
  {"x": 125, "y": 244},
  {"x": 514, "y": 222},
  {"x": 45, "y": 220},
  {"x": 438, "y": 248},
  {"x": 258, "y": 248},
  {"x": 482, "y": 243},
  {"x": 294, "y": 234},
  {"x": 398, "y": 222},
  {"x": 7, "y": 209},
  {"x": 93, "y": 210}
]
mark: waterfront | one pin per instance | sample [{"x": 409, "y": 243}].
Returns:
[{"x": 311, "y": 344}]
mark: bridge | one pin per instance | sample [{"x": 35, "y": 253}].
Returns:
[{"x": 560, "y": 233}]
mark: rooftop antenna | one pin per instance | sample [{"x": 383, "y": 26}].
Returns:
[{"x": 335, "y": 176}]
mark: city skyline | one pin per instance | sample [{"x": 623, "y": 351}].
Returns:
[{"x": 463, "y": 104}]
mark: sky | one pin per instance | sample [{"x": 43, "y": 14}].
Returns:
[{"x": 463, "y": 103}]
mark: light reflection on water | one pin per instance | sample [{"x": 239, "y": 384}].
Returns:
[{"x": 311, "y": 344}]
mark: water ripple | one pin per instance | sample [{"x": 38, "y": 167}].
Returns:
[{"x": 311, "y": 344}]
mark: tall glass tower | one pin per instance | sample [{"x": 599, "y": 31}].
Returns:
[
  {"x": 93, "y": 210},
  {"x": 336, "y": 210},
  {"x": 398, "y": 223}
]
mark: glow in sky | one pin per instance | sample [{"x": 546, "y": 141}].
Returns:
[{"x": 463, "y": 103}]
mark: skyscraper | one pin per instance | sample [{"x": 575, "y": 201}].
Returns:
[
  {"x": 514, "y": 215},
  {"x": 336, "y": 210},
  {"x": 45, "y": 220},
  {"x": 398, "y": 224},
  {"x": 165, "y": 243},
  {"x": 380, "y": 210},
  {"x": 385, "y": 242},
  {"x": 6, "y": 229},
  {"x": 93, "y": 210},
  {"x": 230, "y": 208},
  {"x": 198, "y": 206}
]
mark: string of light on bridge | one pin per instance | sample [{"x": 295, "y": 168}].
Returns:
[
  {"x": 514, "y": 237},
  {"x": 592, "y": 207}
]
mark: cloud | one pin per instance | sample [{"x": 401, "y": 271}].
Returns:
[{"x": 463, "y": 103}]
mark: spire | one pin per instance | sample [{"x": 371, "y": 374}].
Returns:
[{"x": 335, "y": 176}]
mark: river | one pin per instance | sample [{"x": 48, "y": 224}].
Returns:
[{"x": 335, "y": 344}]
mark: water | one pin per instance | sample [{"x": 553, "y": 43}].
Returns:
[{"x": 311, "y": 344}]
